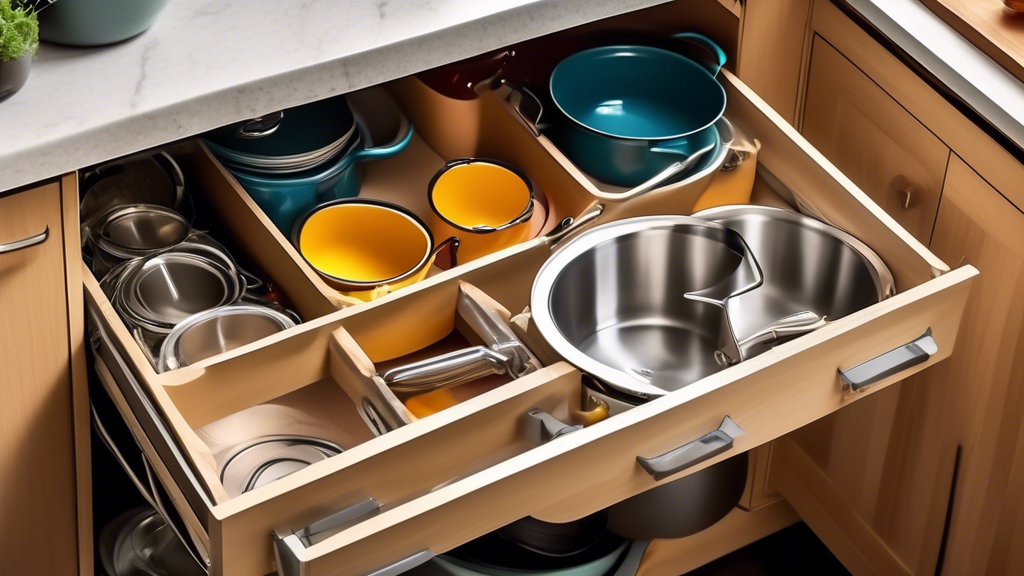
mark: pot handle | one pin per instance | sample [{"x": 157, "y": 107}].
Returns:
[
  {"x": 692, "y": 453},
  {"x": 716, "y": 61},
  {"x": 542, "y": 427},
  {"x": 290, "y": 546},
  {"x": 401, "y": 141},
  {"x": 570, "y": 224},
  {"x": 667, "y": 174},
  {"x": 526, "y": 105},
  {"x": 892, "y": 362}
]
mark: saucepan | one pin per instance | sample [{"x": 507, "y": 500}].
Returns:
[
  {"x": 625, "y": 113},
  {"x": 486, "y": 204},
  {"x": 367, "y": 248},
  {"x": 383, "y": 132},
  {"x": 218, "y": 330}
]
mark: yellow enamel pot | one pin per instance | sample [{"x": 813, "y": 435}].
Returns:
[
  {"x": 486, "y": 204},
  {"x": 367, "y": 248}
]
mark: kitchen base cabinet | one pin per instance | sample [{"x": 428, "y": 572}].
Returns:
[
  {"x": 976, "y": 225},
  {"x": 45, "y": 496}
]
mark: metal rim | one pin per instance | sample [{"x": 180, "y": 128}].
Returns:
[
  {"x": 103, "y": 242},
  {"x": 169, "y": 352},
  {"x": 884, "y": 282},
  {"x": 283, "y": 164},
  {"x": 358, "y": 284},
  {"x": 540, "y": 305},
  {"x": 127, "y": 285},
  {"x": 673, "y": 55},
  {"x": 523, "y": 216},
  {"x": 326, "y": 447}
]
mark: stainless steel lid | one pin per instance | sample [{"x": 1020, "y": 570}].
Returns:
[
  {"x": 148, "y": 178},
  {"x": 162, "y": 290},
  {"x": 218, "y": 330},
  {"x": 139, "y": 229},
  {"x": 270, "y": 458}
]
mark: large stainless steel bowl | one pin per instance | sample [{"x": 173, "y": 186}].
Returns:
[
  {"x": 807, "y": 265},
  {"x": 616, "y": 301}
]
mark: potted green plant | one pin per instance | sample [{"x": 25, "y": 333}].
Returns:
[{"x": 19, "y": 38}]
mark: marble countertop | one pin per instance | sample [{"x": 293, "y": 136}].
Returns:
[{"x": 205, "y": 64}]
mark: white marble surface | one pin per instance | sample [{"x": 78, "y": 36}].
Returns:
[{"x": 206, "y": 63}]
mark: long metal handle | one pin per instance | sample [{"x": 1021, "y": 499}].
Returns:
[
  {"x": 692, "y": 453},
  {"x": 447, "y": 370},
  {"x": 26, "y": 242},
  {"x": 792, "y": 325},
  {"x": 892, "y": 362},
  {"x": 665, "y": 175}
]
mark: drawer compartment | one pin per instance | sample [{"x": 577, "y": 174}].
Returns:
[{"x": 450, "y": 477}]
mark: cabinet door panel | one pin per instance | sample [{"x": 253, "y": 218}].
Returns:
[
  {"x": 37, "y": 459},
  {"x": 873, "y": 140},
  {"x": 977, "y": 225}
]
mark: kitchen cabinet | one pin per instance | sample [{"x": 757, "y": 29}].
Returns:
[
  {"x": 45, "y": 511},
  {"x": 919, "y": 479},
  {"x": 879, "y": 145},
  {"x": 977, "y": 225},
  {"x": 461, "y": 489}
]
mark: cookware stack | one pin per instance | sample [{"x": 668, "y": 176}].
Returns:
[{"x": 179, "y": 291}]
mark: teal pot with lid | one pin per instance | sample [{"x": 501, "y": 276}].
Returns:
[
  {"x": 625, "y": 113},
  {"x": 95, "y": 22},
  {"x": 383, "y": 131}
]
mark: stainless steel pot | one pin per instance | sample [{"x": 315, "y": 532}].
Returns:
[
  {"x": 147, "y": 178},
  {"x": 808, "y": 265},
  {"x": 140, "y": 543},
  {"x": 638, "y": 303},
  {"x": 219, "y": 330},
  {"x": 270, "y": 458},
  {"x": 133, "y": 231}
]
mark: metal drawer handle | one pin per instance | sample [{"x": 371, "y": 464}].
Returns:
[
  {"x": 25, "y": 243},
  {"x": 892, "y": 362},
  {"x": 692, "y": 453},
  {"x": 290, "y": 546}
]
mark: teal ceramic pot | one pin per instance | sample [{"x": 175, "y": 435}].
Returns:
[
  {"x": 96, "y": 22},
  {"x": 625, "y": 113}
]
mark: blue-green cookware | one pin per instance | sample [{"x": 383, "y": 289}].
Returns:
[
  {"x": 285, "y": 196},
  {"x": 625, "y": 113}
]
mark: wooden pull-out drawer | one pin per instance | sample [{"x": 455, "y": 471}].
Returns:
[{"x": 452, "y": 476}]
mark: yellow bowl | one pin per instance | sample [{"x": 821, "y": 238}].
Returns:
[
  {"x": 486, "y": 204},
  {"x": 366, "y": 248}
]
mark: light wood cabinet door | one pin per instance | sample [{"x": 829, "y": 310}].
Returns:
[
  {"x": 873, "y": 140},
  {"x": 977, "y": 226},
  {"x": 38, "y": 508}
]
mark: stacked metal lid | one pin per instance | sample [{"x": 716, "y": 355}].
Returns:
[{"x": 287, "y": 141}]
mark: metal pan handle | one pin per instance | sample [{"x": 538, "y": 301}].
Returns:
[
  {"x": 692, "y": 453},
  {"x": 892, "y": 362}
]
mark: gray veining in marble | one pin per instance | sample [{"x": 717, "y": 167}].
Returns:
[{"x": 206, "y": 63}]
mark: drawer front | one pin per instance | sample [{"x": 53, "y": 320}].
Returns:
[
  {"x": 450, "y": 477},
  {"x": 37, "y": 457},
  {"x": 873, "y": 140}
]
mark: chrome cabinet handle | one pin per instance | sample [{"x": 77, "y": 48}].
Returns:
[
  {"x": 692, "y": 453},
  {"x": 892, "y": 362},
  {"x": 25, "y": 243},
  {"x": 289, "y": 547}
]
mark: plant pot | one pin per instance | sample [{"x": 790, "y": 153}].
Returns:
[
  {"x": 13, "y": 75},
  {"x": 97, "y": 22}
]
